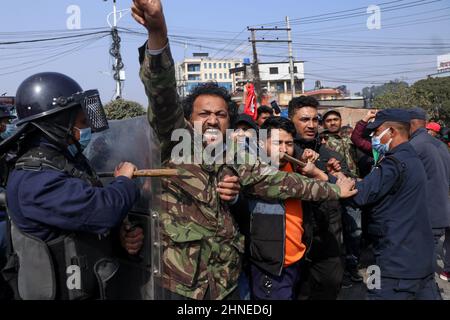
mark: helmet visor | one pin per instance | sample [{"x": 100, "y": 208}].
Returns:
[{"x": 93, "y": 109}]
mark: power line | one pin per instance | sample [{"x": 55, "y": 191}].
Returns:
[
  {"x": 55, "y": 56},
  {"x": 413, "y": 4},
  {"x": 348, "y": 13},
  {"x": 52, "y": 39}
]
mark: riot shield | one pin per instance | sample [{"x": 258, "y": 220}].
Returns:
[{"x": 133, "y": 140}]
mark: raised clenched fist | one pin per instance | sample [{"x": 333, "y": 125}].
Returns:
[{"x": 149, "y": 13}]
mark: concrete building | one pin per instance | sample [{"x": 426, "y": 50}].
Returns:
[
  {"x": 276, "y": 77},
  {"x": 7, "y": 100},
  {"x": 325, "y": 94},
  {"x": 443, "y": 66},
  {"x": 201, "y": 68}
]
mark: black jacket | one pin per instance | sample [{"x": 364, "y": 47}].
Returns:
[
  {"x": 326, "y": 216},
  {"x": 264, "y": 225}
]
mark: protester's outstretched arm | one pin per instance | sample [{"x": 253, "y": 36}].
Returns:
[
  {"x": 149, "y": 13},
  {"x": 257, "y": 180},
  {"x": 357, "y": 135},
  {"x": 157, "y": 73}
]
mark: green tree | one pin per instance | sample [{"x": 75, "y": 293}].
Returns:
[
  {"x": 398, "y": 97},
  {"x": 123, "y": 109},
  {"x": 432, "y": 94},
  {"x": 375, "y": 91},
  {"x": 436, "y": 93}
]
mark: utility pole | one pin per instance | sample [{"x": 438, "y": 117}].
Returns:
[
  {"x": 253, "y": 40},
  {"x": 119, "y": 73},
  {"x": 291, "y": 57},
  {"x": 256, "y": 77}
]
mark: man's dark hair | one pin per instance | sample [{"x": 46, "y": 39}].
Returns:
[
  {"x": 264, "y": 109},
  {"x": 301, "y": 102},
  {"x": 210, "y": 89},
  {"x": 279, "y": 123}
]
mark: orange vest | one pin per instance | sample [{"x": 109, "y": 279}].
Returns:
[{"x": 294, "y": 248}]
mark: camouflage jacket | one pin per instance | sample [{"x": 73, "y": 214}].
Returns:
[
  {"x": 202, "y": 247},
  {"x": 346, "y": 149}
]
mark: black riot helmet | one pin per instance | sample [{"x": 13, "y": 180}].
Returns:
[
  {"x": 47, "y": 94},
  {"x": 49, "y": 103}
]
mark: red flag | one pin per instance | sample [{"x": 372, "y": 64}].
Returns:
[{"x": 250, "y": 101}]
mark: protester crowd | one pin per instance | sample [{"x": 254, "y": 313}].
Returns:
[{"x": 228, "y": 230}]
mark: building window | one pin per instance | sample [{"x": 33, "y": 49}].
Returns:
[
  {"x": 205, "y": 65},
  {"x": 220, "y": 76},
  {"x": 225, "y": 76},
  {"x": 215, "y": 76},
  {"x": 215, "y": 65},
  {"x": 273, "y": 70},
  {"x": 194, "y": 77},
  {"x": 295, "y": 70},
  {"x": 229, "y": 66},
  {"x": 210, "y": 65},
  {"x": 210, "y": 76},
  {"x": 280, "y": 86},
  {"x": 220, "y": 66},
  {"x": 194, "y": 67},
  {"x": 206, "y": 76}
]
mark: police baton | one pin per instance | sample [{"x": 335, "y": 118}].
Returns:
[
  {"x": 155, "y": 173},
  {"x": 301, "y": 164}
]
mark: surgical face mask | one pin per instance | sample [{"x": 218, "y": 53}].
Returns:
[
  {"x": 85, "y": 137},
  {"x": 10, "y": 130},
  {"x": 379, "y": 149}
]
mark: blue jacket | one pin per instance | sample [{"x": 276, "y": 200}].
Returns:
[
  {"x": 396, "y": 193},
  {"x": 43, "y": 203},
  {"x": 436, "y": 160}
]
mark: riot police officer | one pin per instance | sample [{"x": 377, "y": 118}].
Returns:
[
  {"x": 395, "y": 194},
  {"x": 60, "y": 214}
]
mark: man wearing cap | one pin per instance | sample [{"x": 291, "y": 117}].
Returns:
[
  {"x": 433, "y": 129},
  {"x": 436, "y": 161},
  {"x": 396, "y": 193}
]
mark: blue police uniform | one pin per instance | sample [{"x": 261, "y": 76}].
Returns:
[
  {"x": 55, "y": 201},
  {"x": 396, "y": 193},
  {"x": 42, "y": 203},
  {"x": 61, "y": 246},
  {"x": 40, "y": 209},
  {"x": 436, "y": 160}
]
